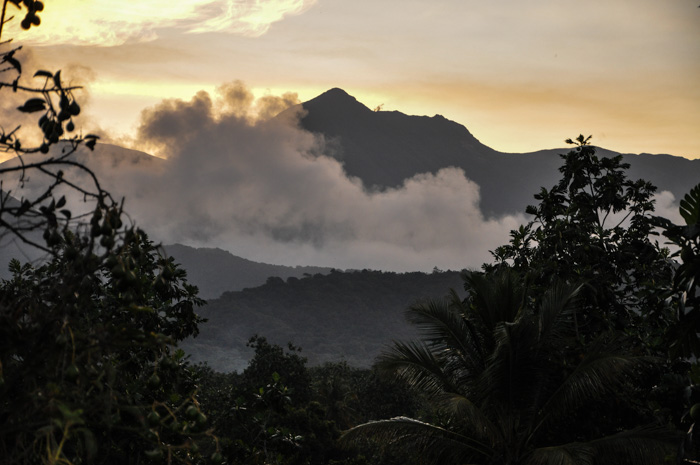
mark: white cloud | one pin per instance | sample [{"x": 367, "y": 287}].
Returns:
[
  {"x": 251, "y": 18},
  {"x": 263, "y": 190}
]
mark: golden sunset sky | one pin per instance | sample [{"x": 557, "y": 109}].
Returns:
[{"x": 520, "y": 75}]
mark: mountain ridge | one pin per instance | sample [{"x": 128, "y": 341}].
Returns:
[
  {"x": 393, "y": 147},
  {"x": 384, "y": 148},
  {"x": 216, "y": 271}
]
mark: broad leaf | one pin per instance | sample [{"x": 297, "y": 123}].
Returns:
[
  {"x": 33, "y": 105},
  {"x": 690, "y": 206}
]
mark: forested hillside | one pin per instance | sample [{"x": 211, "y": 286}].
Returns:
[{"x": 341, "y": 316}]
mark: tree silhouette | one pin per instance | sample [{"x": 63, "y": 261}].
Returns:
[
  {"x": 55, "y": 103},
  {"x": 89, "y": 368},
  {"x": 595, "y": 227}
]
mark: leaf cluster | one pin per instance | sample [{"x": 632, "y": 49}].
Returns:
[
  {"x": 90, "y": 369},
  {"x": 595, "y": 227},
  {"x": 683, "y": 337},
  {"x": 56, "y": 103}
]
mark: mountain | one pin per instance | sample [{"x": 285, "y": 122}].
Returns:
[
  {"x": 110, "y": 163},
  {"x": 347, "y": 316},
  {"x": 212, "y": 270},
  {"x": 102, "y": 159},
  {"x": 11, "y": 246},
  {"x": 215, "y": 271},
  {"x": 383, "y": 148}
]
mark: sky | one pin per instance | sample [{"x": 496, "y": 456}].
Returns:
[
  {"x": 197, "y": 82},
  {"x": 521, "y": 76}
]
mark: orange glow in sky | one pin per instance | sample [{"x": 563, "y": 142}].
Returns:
[{"x": 521, "y": 76}]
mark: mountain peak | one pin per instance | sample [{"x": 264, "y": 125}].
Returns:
[
  {"x": 337, "y": 91},
  {"x": 338, "y": 100}
]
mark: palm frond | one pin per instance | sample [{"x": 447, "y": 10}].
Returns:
[
  {"x": 473, "y": 417},
  {"x": 514, "y": 368},
  {"x": 556, "y": 310},
  {"x": 418, "y": 366},
  {"x": 567, "y": 454},
  {"x": 496, "y": 298},
  {"x": 434, "y": 444},
  {"x": 639, "y": 446},
  {"x": 552, "y": 324},
  {"x": 444, "y": 328},
  {"x": 605, "y": 369},
  {"x": 522, "y": 367}
]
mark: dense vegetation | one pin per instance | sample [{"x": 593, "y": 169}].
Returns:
[
  {"x": 340, "y": 316},
  {"x": 572, "y": 347}
]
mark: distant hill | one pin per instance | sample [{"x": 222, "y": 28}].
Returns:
[
  {"x": 215, "y": 271},
  {"x": 383, "y": 148},
  {"x": 12, "y": 247},
  {"x": 104, "y": 161},
  {"x": 340, "y": 316},
  {"x": 212, "y": 270}
]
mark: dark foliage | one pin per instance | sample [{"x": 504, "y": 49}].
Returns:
[
  {"x": 342, "y": 315},
  {"x": 89, "y": 369},
  {"x": 683, "y": 337},
  {"x": 594, "y": 228},
  {"x": 532, "y": 366},
  {"x": 279, "y": 412}
]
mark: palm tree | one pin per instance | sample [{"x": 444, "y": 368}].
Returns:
[{"x": 496, "y": 364}]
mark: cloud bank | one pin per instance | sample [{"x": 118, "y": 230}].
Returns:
[
  {"x": 262, "y": 188},
  {"x": 238, "y": 178}
]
